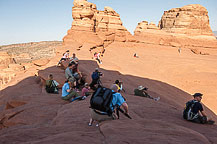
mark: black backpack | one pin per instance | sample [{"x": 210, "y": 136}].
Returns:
[
  {"x": 101, "y": 100},
  {"x": 50, "y": 86},
  {"x": 187, "y": 113}
]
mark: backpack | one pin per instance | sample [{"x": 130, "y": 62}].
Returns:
[
  {"x": 101, "y": 100},
  {"x": 187, "y": 113},
  {"x": 50, "y": 86},
  {"x": 95, "y": 75}
]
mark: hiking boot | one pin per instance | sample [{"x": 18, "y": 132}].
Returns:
[
  {"x": 89, "y": 124},
  {"x": 84, "y": 97},
  {"x": 210, "y": 122},
  {"x": 157, "y": 99}
]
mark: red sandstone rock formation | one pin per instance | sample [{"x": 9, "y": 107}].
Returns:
[
  {"x": 191, "y": 19},
  {"x": 143, "y": 26},
  {"x": 97, "y": 28},
  {"x": 180, "y": 27}
]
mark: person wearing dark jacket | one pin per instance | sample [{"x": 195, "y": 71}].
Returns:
[{"x": 195, "y": 111}]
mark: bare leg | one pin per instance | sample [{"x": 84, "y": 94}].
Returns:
[{"x": 90, "y": 122}]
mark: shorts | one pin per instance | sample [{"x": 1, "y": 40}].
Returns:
[{"x": 101, "y": 117}]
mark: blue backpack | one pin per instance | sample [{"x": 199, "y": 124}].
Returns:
[{"x": 95, "y": 75}]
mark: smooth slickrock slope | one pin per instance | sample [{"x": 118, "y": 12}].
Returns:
[
  {"x": 172, "y": 65},
  {"x": 30, "y": 115}
]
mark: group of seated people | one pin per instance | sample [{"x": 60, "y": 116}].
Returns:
[{"x": 74, "y": 82}]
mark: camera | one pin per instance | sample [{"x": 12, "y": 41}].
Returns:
[{"x": 100, "y": 73}]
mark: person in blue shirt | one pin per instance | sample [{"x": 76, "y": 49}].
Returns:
[
  {"x": 67, "y": 92},
  {"x": 117, "y": 100}
]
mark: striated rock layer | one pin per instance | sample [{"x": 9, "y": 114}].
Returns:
[
  {"x": 97, "y": 28},
  {"x": 191, "y": 19},
  {"x": 180, "y": 27},
  {"x": 17, "y": 58}
]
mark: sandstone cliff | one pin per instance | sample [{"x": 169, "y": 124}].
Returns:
[
  {"x": 17, "y": 58},
  {"x": 96, "y": 28},
  {"x": 191, "y": 19},
  {"x": 186, "y": 27}
]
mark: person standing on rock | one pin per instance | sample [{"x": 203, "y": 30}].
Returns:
[
  {"x": 64, "y": 58},
  {"x": 97, "y": 57},
  {"x": 95, "y": 79},
  {"x": 179, "y": 50},
  {"x": 194, "y": 111}
]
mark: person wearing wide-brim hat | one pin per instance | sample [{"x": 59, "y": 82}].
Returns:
[
  {"x": 142, "y": 91},
  {"x": 194, "y": 111}
]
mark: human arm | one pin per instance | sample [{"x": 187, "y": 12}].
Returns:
[
  {"x": 120, "y": 85},
  {"x": 66, "y": 87},
  {"x": 203, "y": 113}
]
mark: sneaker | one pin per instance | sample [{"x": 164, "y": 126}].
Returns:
[
  {"x": 157, "y": 99},
  {"x": 89, "y": 124},
  {"x": 210, "y": 122},
  {"x": 84, "y": 97}
]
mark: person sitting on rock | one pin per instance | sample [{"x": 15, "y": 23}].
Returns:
[
  {"x": 64, "y": 58},
  {"x": 142, "y": 91},
  {"x": 119, "y": 85},
  {"x": 85, "y": 91},
  {"x": 68, "y": 74},
  {"x": 51, "y": 85},
  {"x": 76, "y": 74},
  {"x": 74, "y": 58},
  {"x": 194, "y": 111},
  {"x": 117, "y": 100},
  {"x": 67, "y": 92},
  {"x": 97, "y": 57}
]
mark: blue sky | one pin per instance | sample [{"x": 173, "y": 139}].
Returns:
[{"x": 44, "y": 20}]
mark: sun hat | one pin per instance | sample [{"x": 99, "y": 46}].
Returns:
[{"x": 141, "y": 87}]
